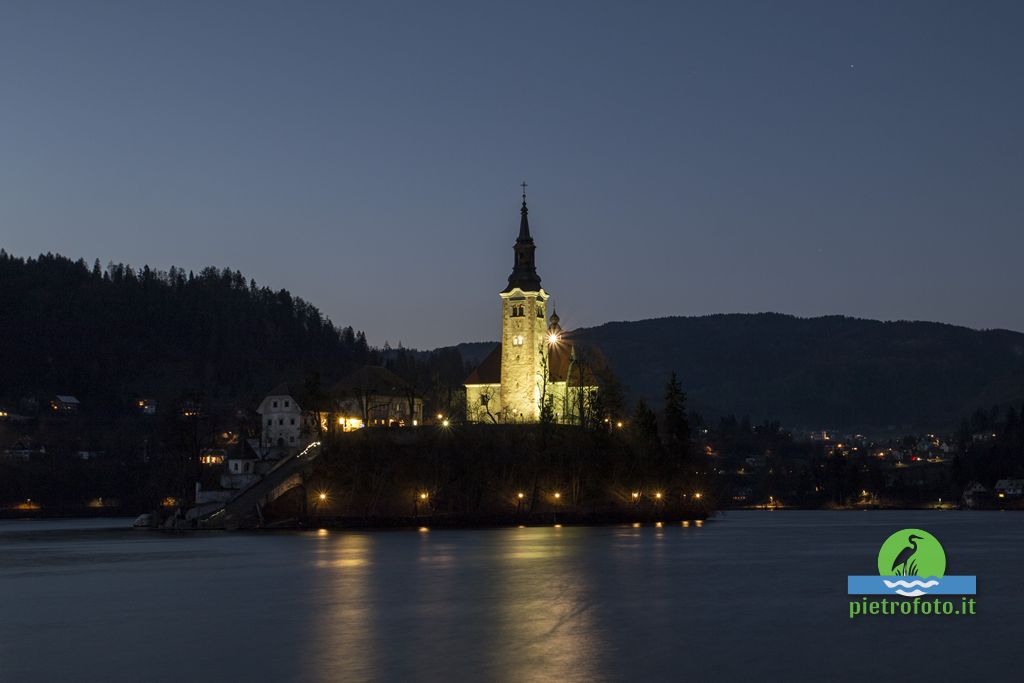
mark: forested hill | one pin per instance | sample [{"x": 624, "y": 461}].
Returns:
[
  {"x": 831, "y": 371},
  {"x": 108, "y": 335}
]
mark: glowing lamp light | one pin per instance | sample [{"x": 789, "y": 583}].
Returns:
[
  {"x": 658, "y": 495},
  {"x": 521, "y": 495},
  {"x": 552, "y": 338},
  {"x": 697, "y": 496},
  {"x": 558, "y": 495},
  {"x": 636, "y": 494},
  {"x": 445, "y": 422},
  {"x": 323, "y": 496},
  {"x": 619, "y": 425}
]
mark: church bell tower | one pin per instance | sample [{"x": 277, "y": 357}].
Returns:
[{"x": 524, "y": 351}]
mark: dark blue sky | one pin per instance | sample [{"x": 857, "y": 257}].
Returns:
[{"x": 810, "y": 158}]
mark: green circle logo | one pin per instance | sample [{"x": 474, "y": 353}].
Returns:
[{"x": 912, "y": 552}]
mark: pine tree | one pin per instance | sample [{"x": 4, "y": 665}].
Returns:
[
  {"x": 644, "y": 423},
  {"x": 677, "y": 427}
]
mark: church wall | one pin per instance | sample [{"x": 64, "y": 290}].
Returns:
[{"x": 523, "y": 353}]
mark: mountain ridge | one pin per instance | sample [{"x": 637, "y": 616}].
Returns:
[{"x": 825, "y": 371}]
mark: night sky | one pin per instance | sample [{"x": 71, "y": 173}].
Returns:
[{"x": 682, "y": 158}]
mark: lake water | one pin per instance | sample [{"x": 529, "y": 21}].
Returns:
[{"x": 748, "y": 594}]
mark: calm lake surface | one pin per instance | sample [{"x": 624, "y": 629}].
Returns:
[{"x": 748, "y": 594}]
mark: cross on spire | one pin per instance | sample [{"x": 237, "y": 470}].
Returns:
[{"x": 523, "y": 185}]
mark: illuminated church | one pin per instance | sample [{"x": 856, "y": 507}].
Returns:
[{"x": 535, "y": 364}]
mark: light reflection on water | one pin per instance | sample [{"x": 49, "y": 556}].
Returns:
[
  {"x": 747, "y": 595},
  {"x": 544, "y": 621}
]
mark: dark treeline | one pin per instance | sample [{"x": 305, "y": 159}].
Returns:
[
  {"x": 110, "y": 335},
  {"x": 991, "y": 447}
]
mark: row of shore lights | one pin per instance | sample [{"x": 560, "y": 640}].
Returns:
[
  {"x": 658, "y": 495},
  {"x": 557, "y": 496}
]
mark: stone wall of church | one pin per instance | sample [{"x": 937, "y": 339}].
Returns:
[{"x": 523, "y": 353}]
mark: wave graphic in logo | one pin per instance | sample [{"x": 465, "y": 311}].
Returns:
[{"x": 910, "y": 589}]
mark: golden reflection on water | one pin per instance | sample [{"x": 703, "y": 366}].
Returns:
[
  {"x": 345, "y": 629},
  {"x": 546, "y": 628},
  {"x": 511, "y": 604}
]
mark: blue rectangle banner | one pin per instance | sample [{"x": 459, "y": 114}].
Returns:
[{"x": 911, "y": 586}]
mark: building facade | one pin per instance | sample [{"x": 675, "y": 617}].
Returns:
[{"x": 285, "y": 424}]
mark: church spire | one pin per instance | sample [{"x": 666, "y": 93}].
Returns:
[
  {"x": 524, "y": 270},
  {"x": 524, "y": 222}
]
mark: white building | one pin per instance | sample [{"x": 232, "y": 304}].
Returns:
[{"x": 285, "y": 423}]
